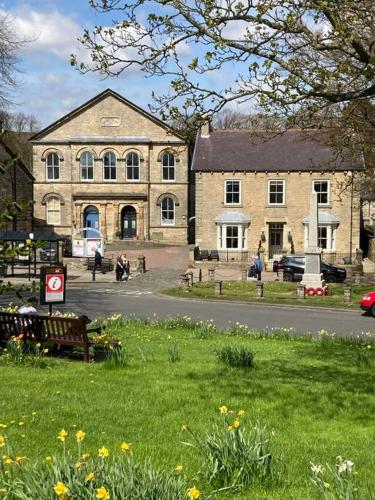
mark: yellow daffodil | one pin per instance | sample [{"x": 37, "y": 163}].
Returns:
[
  {"x": 2, "y": 441},
  {"x": 241, "y": 413},
  {"x": 78, "y": 464},
  {"x": 102, "y": 493},
  {"x": 223, "y": 410},
  {"x": 62, "y": 435},
  {"x": 90, "y": 476},
  {"x": 33, "y": 413},
  {"x": 3, "y": 426},
  {"x": 179, "y": 468},
  {"x": 49, "y": 458},
  {"x": 103, "y": 452},
  {"x": 236, "y": 424},
  {"x": 193, "y": 493},
  {"x": 125, "y": 447},
  {"x": 230, "y": 428},
  {"x": 19, "y": 459},
  {"x": 21, "y": 424},
  {"x": 61, "y": 489},
  {"x": 85, "y": 456},
  {"x": 80, "y": 436},
  {"x": 8, "y": 461},
  {"x": 184, "y": 427}
]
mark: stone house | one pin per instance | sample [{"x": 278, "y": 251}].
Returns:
[
  {"x": 16, "y": 183},
  {"x": 262, "y": 185},
  {"x": 112, "y": 166}
]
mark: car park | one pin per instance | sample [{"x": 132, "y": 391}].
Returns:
[
  {"x": 368, "y": 303},
  {"x": 293, "y": 267}
]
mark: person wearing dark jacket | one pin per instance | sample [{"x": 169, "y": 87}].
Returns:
[
  {"x": 98, "y": 262},
  {"x": 119, "y": 268}
]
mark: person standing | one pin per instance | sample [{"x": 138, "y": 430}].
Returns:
[
  {"x": 97, "y": 263},
  {"x": 126, "y": 264},
  {"x": 258, "y": 268},
  {"x": 119, "y": 268}
]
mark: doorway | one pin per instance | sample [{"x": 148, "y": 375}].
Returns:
[
  {"x": 275, "y": 239},
  {"x": 91, "y": 219},
  {"x": 128, "y": 223}
]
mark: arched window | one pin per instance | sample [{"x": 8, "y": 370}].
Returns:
[
  {"x": 167, "y": 212},
  {"x": 86, "y": 163},
  {"x": 109, "y": 163},
  {"x": 132, "y": 167},
  {"x": 168, "y": 167},
  {"x": 53, "y": 167},
  {"x": 53, "y": 210}
]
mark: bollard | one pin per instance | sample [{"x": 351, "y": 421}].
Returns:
[
  {"x": 191, "y": 278},
  {"x": 211, "y": 275},
  {"x": 280, "y": 275},
  {"x": 184, "y": 282},
  {"x": 259, "y": 289},
  {"x": 218, "y": 285},
  {"x": 300, "y": 291},
  {"x": 141, "y": 266},
  {"x": 357, "y": 279},
  {"x": 200, "y": 275},
  {"x": 347, "y": 294},
  {"x": 244, "y": 274}
]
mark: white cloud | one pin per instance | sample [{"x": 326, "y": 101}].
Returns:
[{"x": 46, "y": 31}]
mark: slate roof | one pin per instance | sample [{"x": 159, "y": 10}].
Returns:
[{"x": 243, "y": 150}]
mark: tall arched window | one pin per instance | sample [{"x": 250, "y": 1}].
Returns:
[
  {"x": 132, "y": 167},
  {"x": 53, "y": 211},
  {"x": 167, "y": 212},
  {"x": 109, "y": 163},
  {"x": 53, "y": 167},
  {"x": 168, "y": 167},
  {"x": 86, "y": 163}
]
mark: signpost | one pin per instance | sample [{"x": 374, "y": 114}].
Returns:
[{"x": 52, "y": 285}]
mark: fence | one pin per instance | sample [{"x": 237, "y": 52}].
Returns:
[{"x": 227, "y": 255}]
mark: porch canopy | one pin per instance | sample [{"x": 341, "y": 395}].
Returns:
[
  {"x": 229, "y": 217},
  {"x": 323, "y": 218}
]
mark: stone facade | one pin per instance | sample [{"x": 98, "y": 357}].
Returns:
[
  {"x": 275, "y": 227},
  {"x": 16, "y": 184},
  {"x": 111, "y": 127}
]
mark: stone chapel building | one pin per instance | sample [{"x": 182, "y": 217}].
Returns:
[{"x": 114, "y": 167}]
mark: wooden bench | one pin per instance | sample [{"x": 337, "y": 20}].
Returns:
[
  {"x": 51, "y": 329},
  {"x": 106, "y": 266}
]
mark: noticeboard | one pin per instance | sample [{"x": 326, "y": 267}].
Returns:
[{"x": 52, "y": 284}]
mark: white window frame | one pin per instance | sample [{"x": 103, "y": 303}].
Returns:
[
  {"x": 281, "y": 182},
  {"x": 163, "y": 221},
  {"x": 226, "y": 192},
  {"x": 86, "y": 167},
  {"x": 328, "y": 191},
  {"x": 54, "y": 211},
  {"x": 331, "y": 237},
  {"x": 104, "y": 167},
  {"x": 168, "y": 167},
  {"x": 222, "y": 237},
  {"x": 132, "y": 167},
  {"x": 53, "y": 167}
]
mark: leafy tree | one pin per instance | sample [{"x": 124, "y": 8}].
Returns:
[{"x": 299, "y": 60}]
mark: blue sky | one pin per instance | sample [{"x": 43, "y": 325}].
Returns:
[{"x": 49, "y": 87}]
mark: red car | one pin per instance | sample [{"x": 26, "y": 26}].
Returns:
[{"x": 368, "y": 303}]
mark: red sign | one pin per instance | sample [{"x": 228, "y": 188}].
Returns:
[{"x": 54, "y": 287}]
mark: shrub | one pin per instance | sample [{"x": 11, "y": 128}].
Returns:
[
  {"x": 335, "y": 482},
  {"x": 236, "y": 356},
  {"x": 235, "y": 458}
]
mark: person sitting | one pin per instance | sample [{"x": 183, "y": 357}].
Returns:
[
  {"x": 30, "y": 307},
  {"x": 119, "y": 269}
]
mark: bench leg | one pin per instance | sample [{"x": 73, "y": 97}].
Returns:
[{"x": 86, "y": 357}]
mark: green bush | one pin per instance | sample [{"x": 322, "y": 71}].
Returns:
[{"x": 236, "y": 356}]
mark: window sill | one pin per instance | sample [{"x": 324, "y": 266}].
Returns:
[
  {"x": 276, "y": 205},
  {"x": 237, "y": 205}
]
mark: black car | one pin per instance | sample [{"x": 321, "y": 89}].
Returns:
[{"x": 293, "y": 267}]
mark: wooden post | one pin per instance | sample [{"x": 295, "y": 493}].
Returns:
[{"x": 200, "y": 275}]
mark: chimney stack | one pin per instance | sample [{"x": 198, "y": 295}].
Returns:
[{"x": 205, "y": 129}]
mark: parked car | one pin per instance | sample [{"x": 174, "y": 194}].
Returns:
[
  {"x": 368, "y": 303},
  {"x": 293, "y": 267},
  {"x": 48, "y": 254}
]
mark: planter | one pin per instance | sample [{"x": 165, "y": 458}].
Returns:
[{"x": 100, "y": 353}]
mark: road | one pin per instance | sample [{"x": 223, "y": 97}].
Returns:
[{"x": 105, "y": 301}]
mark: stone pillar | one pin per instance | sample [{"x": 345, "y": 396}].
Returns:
[
  {"x": 211, "y": 275},
  {"x": 244, "y": 273},
  {"x": 141, "y": 267},
  {"x": 347, "y": 294},
  {"x": 357, "y": 278},
  {"x": 141, "y": 222},
  {"x": 300, "y": 291},
  {"x": 103, "y": 221},
  {"x": 259, "y": 289},
  {"x": 218, "y": 286},
  {"x": 191, "y": 278},
  {"x": 110, "y": 222},
  {"x": 280, "y": 274},
  {"x": 183, "y": 282}
]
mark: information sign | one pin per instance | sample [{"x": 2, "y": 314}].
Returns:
[{"x": 52, "y": 284}]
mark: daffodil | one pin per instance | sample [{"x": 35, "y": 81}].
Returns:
[
  {"x": 78, "y": 464},
  {"x": 61, "y": 489},
  {"x": 90, "y": 476},
  {"x": 125, "y": 447},
  {"x": 80, "y": 436},
  {"x": 62, "y": 435},
  {"x": 241, "y": 413},
  {"x": 49, "y": 458},
  {"x": 102, "y": 493},
  {"x": 184, "y": 427},
  {"x": 2, "y": 441},
  {"x": 236, "y": 424},
  {"x": 103, "y": 452},
  {"x": 193, "y": 493},
  {"x": 179, "y": 468},
  {"x": 85, "y": 456},
  {"x": 223, "y": 410}
]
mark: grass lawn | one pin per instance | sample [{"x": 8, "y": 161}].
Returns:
[
  {"x": 281, "y": 293},
  {"x": 315, "y": 398}
]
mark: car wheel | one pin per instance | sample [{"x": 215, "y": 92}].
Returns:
[
  {"x": 288, "y": 277},
  {"x": 372, "y": 310}
]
